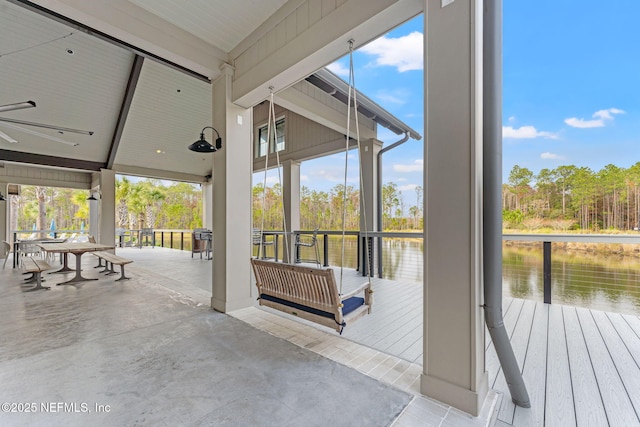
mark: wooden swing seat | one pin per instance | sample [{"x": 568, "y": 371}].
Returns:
[{"x": 309, "y": 293}]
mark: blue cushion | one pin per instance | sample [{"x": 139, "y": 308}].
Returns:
[{"x": 350, "y": 304}]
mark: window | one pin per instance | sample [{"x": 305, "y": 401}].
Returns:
[{"x": 262, "y": 139}]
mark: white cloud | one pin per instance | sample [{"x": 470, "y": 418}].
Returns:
[
  {"x": 512, "y": 119},
  {"x": 340, "y": 154},
  {"x": 598, "y": 121},
  {"x": 526, "y": 132},
  {"x": 272, "y": 180},
  {"x": 398, "y": 97},
  {"x": 416, "y": 166},
  {"x": 551, "y": 156},
  {"x": 333, "y": 176},
  {"x": 338, "y": 69},
  {"x": 407, "y": 188},
  {"x": 405, "y": 53},
  {"x": 304, "y": 178}
]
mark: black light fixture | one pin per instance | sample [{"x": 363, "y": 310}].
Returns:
[
  {"x": 202, "y": 146},
  {"x": 2, "y": 198},
  {"x": 92, "y": 197}
]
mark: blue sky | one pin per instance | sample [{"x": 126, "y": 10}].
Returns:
[{"x": 571, "y": 89}]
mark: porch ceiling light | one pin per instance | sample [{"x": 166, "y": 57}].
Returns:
[
  {"x": 2, "y": 198},
  {"x": 202, "y": 146}
]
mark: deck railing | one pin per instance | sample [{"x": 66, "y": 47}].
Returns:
[
  {"x": 399, "y": 256},
  {"x": 553, "y": 276},
  {"x": 619, "y": 286}
]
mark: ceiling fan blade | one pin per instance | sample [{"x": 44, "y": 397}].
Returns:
[
  {"x": 7, "y": 138},
  {"x": 41, "y": 135},
  {"x": 46, "y": 126},
  {"x": 17, "y": 106}
]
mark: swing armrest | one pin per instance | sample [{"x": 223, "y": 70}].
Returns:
[{"x": 354, "y": 292}]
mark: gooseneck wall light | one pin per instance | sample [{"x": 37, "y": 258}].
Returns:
[{"x": 202, "y": 146}]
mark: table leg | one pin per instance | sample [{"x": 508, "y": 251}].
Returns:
[
  {"x": 65, "y": 264},
  {"x": 78, "y": 277},
  {"x": 38, "y": 286}
]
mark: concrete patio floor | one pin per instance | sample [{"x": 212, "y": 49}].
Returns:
[{"x": 150, "y": 351}]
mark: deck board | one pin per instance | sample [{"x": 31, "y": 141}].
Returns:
[
  {"x": 618, "y": 406},
  {"x": 535, "y": 363},
  {"x": 634, "y": 323},
  {"x": 587, "y": 400},
  {"x": 559, "y": 393},
  {"x": 622, "y": 360},
  {"x": 628, "y": 336}
]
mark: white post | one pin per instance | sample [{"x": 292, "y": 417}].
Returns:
[
  {"x": 106, "y": 209},
  {"x": 291, "y": 196},
  {"x": 231, "y": 287},
  {"x": 453, "y": 366},
  {"x": 4, "y": 216},
  {"x": 369, "y": 150},
  {"x": 207, "y": 197}
]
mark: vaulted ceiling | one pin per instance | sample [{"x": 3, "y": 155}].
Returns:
[{"x": 142, "y": 108}]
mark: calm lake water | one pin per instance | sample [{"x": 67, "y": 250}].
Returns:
[{"x": 608, "y": 282}]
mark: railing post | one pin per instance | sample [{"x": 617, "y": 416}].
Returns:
[
  {"x": 365, "y": 257},
  {"x": 275, "y": 248},
  {"x": 358, "y": 253},
  {"x": 182, "y": 240},
  {"x": 171, "y": 240},
  {"x": 325, "y": 249},
  {"x": 379, "y": 252},
  {"x": 546, "y": 262}
]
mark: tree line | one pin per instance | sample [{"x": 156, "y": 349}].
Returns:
[
  {"x": 572, "y": 198},
  {"x": 565, "y": 198},
  {"x": 325, "y": 209},
  {"x": 146, "y": 203}
]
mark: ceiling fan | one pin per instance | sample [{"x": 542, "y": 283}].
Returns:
[{"x": 12, "y": 124}]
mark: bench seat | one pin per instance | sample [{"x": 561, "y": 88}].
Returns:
[
  {"x": 310, "y": 293},
  {"x": 113, "y": 259},
  {"x": 35, "y": 267}
]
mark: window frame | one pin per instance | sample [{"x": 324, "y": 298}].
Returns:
[{"x": 259, "y": 145}]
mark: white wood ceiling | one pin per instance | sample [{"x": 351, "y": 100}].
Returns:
[
  {"x": 168, "y": 111},
  {"x": 81, "y": 91},
  {"x": 86, "y": 91},
  {"x": 221, "y": 23}
]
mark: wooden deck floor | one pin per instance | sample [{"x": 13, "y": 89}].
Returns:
[{"x": 581, "y": 367}]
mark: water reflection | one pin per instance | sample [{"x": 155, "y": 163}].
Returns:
[
  {"x": 607, "y": 282},
  {"x": 603, "y": 281}
]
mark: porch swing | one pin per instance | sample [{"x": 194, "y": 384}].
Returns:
[{"x": 312, "y": 293}]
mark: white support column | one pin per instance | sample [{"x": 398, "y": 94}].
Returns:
[
  {"x": 106, "y": 208},
  {"x": 231, "y": 200},
  {"x": 207, "y": 197},
  {"x": 453, "y": 362},
  {"x": 291, "y": 196},
  {"x": 369, "y": 189},
  {"x": 4, "y": 216}
]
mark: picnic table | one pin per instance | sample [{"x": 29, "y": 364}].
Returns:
[{"x": 77, "y": 249}]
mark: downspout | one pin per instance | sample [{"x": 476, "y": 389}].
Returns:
[
  {"x": 379, "y": 195},
  {"x": 492, "y": 206}
]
